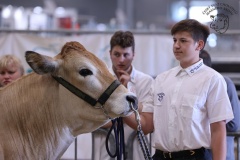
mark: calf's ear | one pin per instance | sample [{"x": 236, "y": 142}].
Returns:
[{"x": 41, "y": 64}]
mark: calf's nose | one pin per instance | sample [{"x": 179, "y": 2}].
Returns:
[{"x": 132, "y": 101}]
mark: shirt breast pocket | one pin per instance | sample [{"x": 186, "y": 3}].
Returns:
[{"x": 189, "y": 107}]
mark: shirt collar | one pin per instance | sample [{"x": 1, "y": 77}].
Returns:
[
  {"x": 133, "y": 75},
  {"x": 191, "y": 69}
]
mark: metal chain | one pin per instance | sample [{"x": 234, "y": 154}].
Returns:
[{"x": 141, "y": 136}]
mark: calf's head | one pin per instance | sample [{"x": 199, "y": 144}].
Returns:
[{"x": 87, "y": 73}]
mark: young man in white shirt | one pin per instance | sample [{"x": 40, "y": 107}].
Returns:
[
  {"x": 122, "y": 52},
  {"x": 188, "y": 106}
]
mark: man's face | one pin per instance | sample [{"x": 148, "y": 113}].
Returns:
[
  {"x": 121, "y": 58},
  {"x": 9, "y": 74},
  {"x": 185, "y": 49}
]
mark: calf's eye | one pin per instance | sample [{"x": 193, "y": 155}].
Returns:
[{"x": 85, "y": 72}]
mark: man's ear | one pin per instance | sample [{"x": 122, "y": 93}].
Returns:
[{"x": 200, "y": 45}]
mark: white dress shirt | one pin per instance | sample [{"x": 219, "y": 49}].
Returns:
[{"x": 184, "y": 103}]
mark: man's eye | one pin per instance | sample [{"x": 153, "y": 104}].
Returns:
[
  {"x": 85, "y": 72},
  {"x": 126, "y": 55},
  {"x": 116, "y": 55}
]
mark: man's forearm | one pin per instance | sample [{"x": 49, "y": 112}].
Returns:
[
  {"x": 146, "y": 122},
  {"x": 131, "y": 121}
]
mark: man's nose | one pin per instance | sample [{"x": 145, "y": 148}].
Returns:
[
  {"x": 121, "y": 58},
  {"x": 176, "y": 45}
]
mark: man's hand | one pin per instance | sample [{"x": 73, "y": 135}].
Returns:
[{"x": 123, "y": 77}]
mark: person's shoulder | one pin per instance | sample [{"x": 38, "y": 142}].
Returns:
[
  {"x": 229, "y": 82},
  {"x": 210, "y": 71},
  {"x": 227, "y": 79},
  {"x": 212, "y": 74},
  {"x": 141, "y": 75}
]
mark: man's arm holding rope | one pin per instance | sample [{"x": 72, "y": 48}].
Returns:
[{"x": 146, "y": 120}]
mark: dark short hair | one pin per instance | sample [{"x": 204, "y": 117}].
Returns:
[
  {"x": 206, "y": 58},
  {"x": 123, "y": 39},
  {"x": 197, "y": 30}
]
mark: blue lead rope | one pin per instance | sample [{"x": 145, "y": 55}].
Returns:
[
  {"x": 143, "y": 144},
  {"x": 117, "y": 127}
]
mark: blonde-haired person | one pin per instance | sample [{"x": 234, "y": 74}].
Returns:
[{"x": 11, "y": 69}]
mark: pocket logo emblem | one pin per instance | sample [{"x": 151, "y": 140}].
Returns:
[{"x": 160, "y": 96}]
